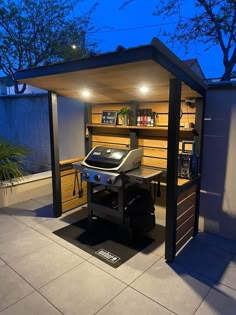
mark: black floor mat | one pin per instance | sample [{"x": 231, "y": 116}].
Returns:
[{"x": 104, "y": 240}]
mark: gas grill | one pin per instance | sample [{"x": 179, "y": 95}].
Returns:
[{"x": 117, "y": 185}]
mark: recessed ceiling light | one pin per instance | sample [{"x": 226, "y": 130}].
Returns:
[
  {"x": 86, "y": 93},
  {"x": 144, "y": 89}
]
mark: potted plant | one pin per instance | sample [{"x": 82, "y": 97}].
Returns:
[
  {"x": 11, "y": 162},
  {"x": 125, "y": 113}
]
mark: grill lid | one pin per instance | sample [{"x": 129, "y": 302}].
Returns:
[
  {"x": 106, "y": 158},
  {"x": 120, "y": 160}
]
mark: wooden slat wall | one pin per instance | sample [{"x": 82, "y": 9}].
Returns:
[
  {"x": 97, "y": 112},
  {"x": 162, "y": 110},
  {"x": 155, "y": 147},
  {"x": 117, "y": 138},
  {"x": 115, "y": 141},
  {"x": 186, "y": 208},
  {"x": 153, "y": 143},
  {"x": 67, "y": 186}
]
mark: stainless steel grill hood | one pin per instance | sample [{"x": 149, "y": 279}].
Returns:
[{"x": 116, "y": 160}]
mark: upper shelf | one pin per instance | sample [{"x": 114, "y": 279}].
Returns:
[{"x": 133, "y": 127}]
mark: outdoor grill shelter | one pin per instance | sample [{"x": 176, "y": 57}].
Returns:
[{"x": 113, "y": 80}]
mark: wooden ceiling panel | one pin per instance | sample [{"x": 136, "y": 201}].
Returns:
[{"x": 118, "y": 83}]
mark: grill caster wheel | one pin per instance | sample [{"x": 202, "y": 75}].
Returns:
[{"x": 92, "y": 222}]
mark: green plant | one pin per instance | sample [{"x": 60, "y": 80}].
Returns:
[
  {"x": 124, "y": 111},
  {"x": 11, "y": 161}
]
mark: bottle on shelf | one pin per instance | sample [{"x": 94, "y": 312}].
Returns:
[
  {"x": 138, "y": 117},
  {"x": 149, "y": 117},
  {"x": 145, "y": 117}
]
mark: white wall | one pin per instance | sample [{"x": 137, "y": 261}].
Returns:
[
  {"x": 24, "y": 120},
  {"x": 71, "y": 128},
  {"x": 218, "y": 195}
]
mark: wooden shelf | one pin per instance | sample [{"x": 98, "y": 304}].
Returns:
[
  {"x": 182, "y": 181},
  {"x": 133, "y": 127}
]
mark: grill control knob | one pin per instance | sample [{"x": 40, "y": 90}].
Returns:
[
  {"x": 109, "y": 180},
  {"x": 97, "y": 177},
  {"x": 86, "y": 175}
]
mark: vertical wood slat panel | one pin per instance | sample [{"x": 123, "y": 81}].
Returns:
[
  {"x": 185, "y": 227},
  {"x": 186, "y": 203},
  {"x": 184, "y": 239},
  {"x": 186, "y": 193},
  {"x": 70, "y": 201},
  {"x": 186, "y": 213}
]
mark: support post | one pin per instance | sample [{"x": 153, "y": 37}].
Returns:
[
  {"x": 200, "y": 111},
  {"x": 88, "y": 133},
  {"x": 54, "y": 145},
  {"x": 133, "y": 133},
  {"x": 172, "y": 168}
]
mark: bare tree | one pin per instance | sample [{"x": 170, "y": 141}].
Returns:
[
  {"x": 38, "y": 32},
  {"x": 212, "y": 22}
]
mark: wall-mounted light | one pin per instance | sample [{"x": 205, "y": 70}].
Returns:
[
  {"x": 144, "y": 89},
  {"x": 73, "y": 46},
  {"x": 86, "y": 93}
]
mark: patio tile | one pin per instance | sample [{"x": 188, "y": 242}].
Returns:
[
  {"x": 29, "y": 205},
  {"x": 156, "y": 248},
  {"x": 2, "y": 263},
  {"x": 21, "y": 244},
  {"x": 45, "y": 264},
  {"x": 31, "y": 212},
  {"x": 9, "y": 226},
  {"x": 48, "y": 226},
  {"x": 173, "y": 287},
  {"x": 204, "y": 258},
  {"x": 75, "y": 215},
  {"x": 74, "y": 249},
  {"x": 130, "y": 302},
  {"x": 53, "y": 224},
  {"x": 3, "y": 216},
  {"x": 221, "y": 300},
  {"x": 218, "y": 242},
  {"x": 34, "y": 304},
  {"x": 66, "y": 219},
  {"x": 229, "y": 276},
  {"x": 130, "y": 270},
  {"x": 12, "y": 288},
  {"x": 83, "y": 290},
  {"x": 46, "y": 200}
]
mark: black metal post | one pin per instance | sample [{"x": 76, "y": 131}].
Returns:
[
  {"x": 200, "y": 110},
  {"x": 53, "y": 129},
  {"x": 133, "y": 133},
  {"x": 133, "y": 139},
  {"x": 87, "y": 130},
  {"x": 172, "y": 168}
]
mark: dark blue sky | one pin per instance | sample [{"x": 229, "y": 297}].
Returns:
[{"x": 135, "y": 25}]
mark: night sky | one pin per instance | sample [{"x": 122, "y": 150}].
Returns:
[{"x": 135, "y": 25}]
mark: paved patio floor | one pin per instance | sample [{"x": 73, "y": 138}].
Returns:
[{"x": 41, "y": 273}]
